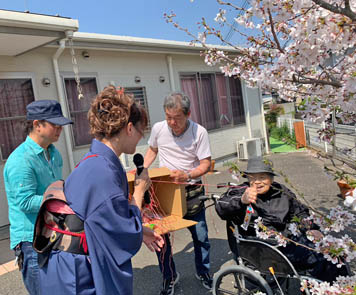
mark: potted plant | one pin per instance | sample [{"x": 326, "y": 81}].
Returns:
[{"x": 345, "y": 183}]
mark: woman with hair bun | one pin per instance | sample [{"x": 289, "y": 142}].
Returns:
[{"x": 99, "y": 262}]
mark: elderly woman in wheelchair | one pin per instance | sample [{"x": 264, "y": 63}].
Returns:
[{"x": 268, "y": 264}]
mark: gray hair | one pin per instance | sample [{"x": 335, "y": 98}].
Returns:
[{"x": 177, "y": 100}]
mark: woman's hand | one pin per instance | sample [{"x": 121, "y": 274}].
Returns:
[
  {"x": 249, "y": 196},
  {"x": 142, "y": 181},
  {"x": 142, "y": 184},
  {"x": 152, "y": 240}
]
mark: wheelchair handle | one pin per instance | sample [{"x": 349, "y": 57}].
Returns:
[
  {"x": 212, "y": 197},
  {"x": 225, "y": 184},
  {"x": 203, "y": 198}
]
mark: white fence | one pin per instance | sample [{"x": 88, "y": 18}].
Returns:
[{"x": 345, "y": 138}]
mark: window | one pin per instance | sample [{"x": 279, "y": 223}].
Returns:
[
  {"x": 139, "y": 94},
  {"x": 79, "y": 108},
  {"x": 15, "y": 95},
  {"x": 216, "y": 100}
]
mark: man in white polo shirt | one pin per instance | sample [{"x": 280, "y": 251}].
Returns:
[{"x": 183, "y": 147}]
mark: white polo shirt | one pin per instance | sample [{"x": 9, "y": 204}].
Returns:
[{"x": 183, "y": 152}]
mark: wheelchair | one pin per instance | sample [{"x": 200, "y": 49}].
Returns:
[{"x": 261, "y": 267}]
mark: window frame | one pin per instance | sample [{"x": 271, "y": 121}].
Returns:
[
  {"x": 214, "y": 94},
  {"x": 245, "y": 103},
  {"x": 149, "y": 126},
  {"x": 95, "y": 76},
  {"x": 70, "y": 75},
  {"x": 17, "y": 76},
  {"x": 215, "y": 97}
]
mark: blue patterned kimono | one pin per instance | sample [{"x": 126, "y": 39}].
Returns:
[{"x": 97, "y": 191}]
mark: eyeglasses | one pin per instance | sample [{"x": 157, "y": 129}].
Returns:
[
  {"x": 141, "y": 132},
  {"x": 261, "y": 178}
]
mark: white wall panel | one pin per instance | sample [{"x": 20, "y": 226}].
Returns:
[{"x": 122, "y": 67}]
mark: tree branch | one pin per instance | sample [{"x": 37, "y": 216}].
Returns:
[
  {"x": 347, "y": 4},
  {"x": 273, "y": 31},
  {"x": 329, "y": 75},
  {"x": 336, "y": 9},
  {"x": 301, "y": 14},
  {"x": 315, "y": 81},
  {"x": 230, "y": 4}
]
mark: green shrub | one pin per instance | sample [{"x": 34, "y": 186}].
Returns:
[
  {"x": 283, "y": 134},
  {"x": 272, "y": 115}
]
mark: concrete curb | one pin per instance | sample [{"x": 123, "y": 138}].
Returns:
[{"x": 7, "y": 267}]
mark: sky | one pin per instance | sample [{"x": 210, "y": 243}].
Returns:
[{"x": 138, "y": 18}]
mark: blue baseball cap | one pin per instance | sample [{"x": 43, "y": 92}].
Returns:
[{"x": 48, "y": 110}]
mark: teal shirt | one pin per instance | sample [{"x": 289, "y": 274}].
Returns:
[{"x": 27, "y": 174}]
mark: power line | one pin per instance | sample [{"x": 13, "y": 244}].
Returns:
[{"x": 233, "y": 25}]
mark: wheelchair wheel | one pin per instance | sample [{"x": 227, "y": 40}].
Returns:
[
  {"x": 239, "y": 280},
  {"x": 270, "y": 280}
]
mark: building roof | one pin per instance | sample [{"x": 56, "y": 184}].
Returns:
[
  {"x": 127, "y": 43},
  {"x": 21, "y": 31}
]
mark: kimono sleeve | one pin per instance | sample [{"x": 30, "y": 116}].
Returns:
[{"x": 114, "y": 236}]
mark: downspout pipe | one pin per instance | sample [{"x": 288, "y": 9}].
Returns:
[
  {"x": 61, "y": 98},
  {"x": 170, "y": 73},
  {"x": 247, "y": 109},
  {"x": 263, "y": 121}
]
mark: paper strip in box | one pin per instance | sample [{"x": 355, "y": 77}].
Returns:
[{"x": 171, "y": 198}]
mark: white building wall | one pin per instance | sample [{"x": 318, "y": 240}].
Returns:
[
  {"x": 253, "y": 104},
  {"x": 121, "y": 68},
  {"x": 35, "y": 65},
  {"x": 221, "y": 137}
]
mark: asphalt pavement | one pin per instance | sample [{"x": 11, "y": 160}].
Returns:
[{"x": 304, "y": 171}]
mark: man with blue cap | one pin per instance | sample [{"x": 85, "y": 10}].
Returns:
[{"x": 28, "y": 171}]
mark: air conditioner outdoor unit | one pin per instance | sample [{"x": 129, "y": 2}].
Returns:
[{"x": 249, "y": 148}]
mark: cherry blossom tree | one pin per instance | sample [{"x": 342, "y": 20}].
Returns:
[
  {"x": 305, "y": 50},
  {"x": 302, "y": 49}
]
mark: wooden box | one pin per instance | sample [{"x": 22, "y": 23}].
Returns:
[{"x": 169, "y": 197}]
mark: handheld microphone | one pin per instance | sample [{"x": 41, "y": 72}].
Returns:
[{"x": 138, "y": 161}]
